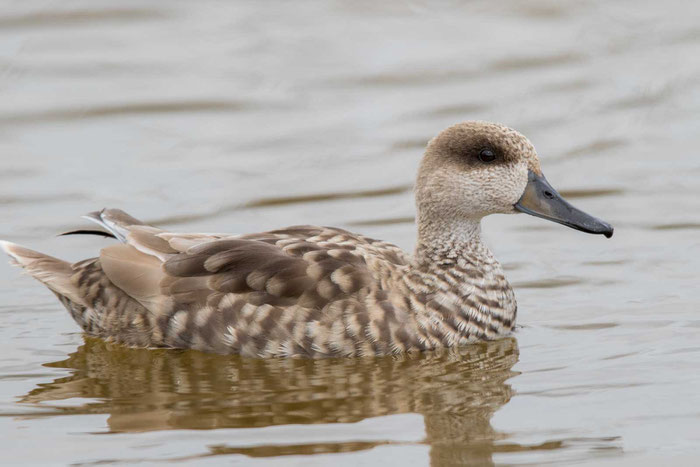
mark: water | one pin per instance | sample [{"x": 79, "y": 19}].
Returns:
[{"x": 245, "y": 116}]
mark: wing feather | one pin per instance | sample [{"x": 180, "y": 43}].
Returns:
[
  {"x": 138, "y": 274},
  {"x": 239, "y": 289}
]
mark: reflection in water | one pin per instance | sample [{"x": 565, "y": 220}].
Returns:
[{"x": 456, "y": 391}]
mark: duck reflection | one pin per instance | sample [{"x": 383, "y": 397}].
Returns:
[{"x": 457, "y": 392}]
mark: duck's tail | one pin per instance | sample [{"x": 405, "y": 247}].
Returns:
[{"x": 52, "y": 272}]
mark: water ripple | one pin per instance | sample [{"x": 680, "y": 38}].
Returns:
[
  {"x": 677, "y": 226},
  {"x": 594, "y": 147},
  {"x": 591, "y": 193},
  {"x": 384, "y": 221},
  {"x": 57, "y": 19},
  {"x": 284, "y": 201},
  {"x": 549, "y": 283},
  {"x": 133, "y": 108}
]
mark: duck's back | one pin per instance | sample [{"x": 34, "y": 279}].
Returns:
[{"x": 300, "y": 291}]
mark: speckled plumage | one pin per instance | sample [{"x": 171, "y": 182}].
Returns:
[
  {"x": 306, "y": 290},
  {"x": 302, "y": 291}
]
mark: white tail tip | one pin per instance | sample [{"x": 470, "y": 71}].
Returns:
[{"x": 9, "y": 247}]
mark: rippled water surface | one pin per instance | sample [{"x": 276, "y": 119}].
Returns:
[{"x": 244, "y": 116}]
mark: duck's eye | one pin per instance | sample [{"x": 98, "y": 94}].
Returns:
[{"x": 487, "y": 155}]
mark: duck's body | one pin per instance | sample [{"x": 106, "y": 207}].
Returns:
[
  {"x": 314, "y": 291},
  {"x": 301, "y": 291}
]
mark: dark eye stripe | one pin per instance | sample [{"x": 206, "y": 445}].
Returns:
[{"x": 487, "y": 155}]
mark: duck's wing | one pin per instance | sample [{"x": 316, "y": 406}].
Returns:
[
  {"x": 127, "y": 229},
  {"x": 136, "y": 265},
  {"x": 296, "y": 266},
  {"x": 257, "y": 294},
  {"x": 303, "y": 290},
  {"x": 115, "y": 221}
]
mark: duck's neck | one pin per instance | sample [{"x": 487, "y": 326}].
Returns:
[
  {"x": 448, "y": 239},
  {"x": 461, "y": 282}
]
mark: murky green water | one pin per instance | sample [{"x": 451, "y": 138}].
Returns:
[{"x": 244, "y": 116}]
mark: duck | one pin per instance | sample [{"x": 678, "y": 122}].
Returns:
[{"x": 311, "y": 291}]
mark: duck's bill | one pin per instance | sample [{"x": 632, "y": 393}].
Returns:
[{"x": 541, "y": 200}]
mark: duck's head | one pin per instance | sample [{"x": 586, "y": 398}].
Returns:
[{"x": 475, "y": 168}]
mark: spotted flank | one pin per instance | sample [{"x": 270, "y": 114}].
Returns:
[{"x": 308, "y": 291}]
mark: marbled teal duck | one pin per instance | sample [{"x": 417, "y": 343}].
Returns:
[{"x": 321, "y": 291}]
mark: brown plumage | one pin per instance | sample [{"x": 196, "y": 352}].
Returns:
[{"x": 306, "y": 290}]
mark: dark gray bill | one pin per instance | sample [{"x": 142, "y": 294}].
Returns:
[{"x": 541, "y": 200}]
